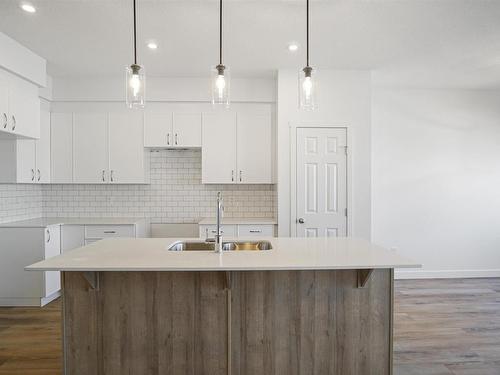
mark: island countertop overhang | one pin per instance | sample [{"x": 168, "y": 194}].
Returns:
[{"x": 151, "y": 254}]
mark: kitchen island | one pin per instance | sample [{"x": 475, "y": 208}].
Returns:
[{"x": 307, "y": 306}]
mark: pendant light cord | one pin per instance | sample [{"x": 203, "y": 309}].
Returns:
[
  {"x": 220, "y": 32},
  {"x": 307, "y": 32},
  {"x": 135, "y": 38}
]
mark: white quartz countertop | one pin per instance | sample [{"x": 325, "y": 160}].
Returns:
[
  {"x": 151, "y": 254},
  {"x": 43, "y": 222},
  {"x": 242, "y": 220}
]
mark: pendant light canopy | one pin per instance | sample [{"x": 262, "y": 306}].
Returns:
[
  {"x": 220, "y": 76},
  {"x": 135, "y": 78},
  {"x": 307, "y": 83}
]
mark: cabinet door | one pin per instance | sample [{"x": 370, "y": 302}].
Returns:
[
  {"x": 24, "y": 110},
  {"x": 26, "y": 156},
  {"x": 219, "y": 148},
  {"x": 90, "y": 148},
  {"x": 254, "y": 147},
  {"x": 126, "y": 148},
  {"x": 187, "y": 129},
  {"x": 61, "y": 149},
  {"x": 52, "y": 249},
  {"x": 4, "y": 105},
  {"x": 42, "y": 149},
  {"x": 158, "y": 129}
]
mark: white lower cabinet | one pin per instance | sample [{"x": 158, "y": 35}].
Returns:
[
  {"x": 238, "y": 230},
  {"x": 20, "y": 247},
  {"x": 74, "y": 236}
]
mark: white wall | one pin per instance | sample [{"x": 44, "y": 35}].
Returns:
[
  {"x": 436, "y": 179},
  {"x": 160, "y": 89},
  {"x": 344, "y": 99}
]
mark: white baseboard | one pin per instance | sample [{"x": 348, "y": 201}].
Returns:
[
  {"x": 28, "y": 302},
  {"x": 50, "y": 298},
  {"x": 445, "y": 274}
]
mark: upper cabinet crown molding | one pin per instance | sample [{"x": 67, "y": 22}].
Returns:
[{"x": 22, "y": 62}]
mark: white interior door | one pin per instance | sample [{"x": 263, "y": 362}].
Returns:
[
  {"x": 126, "y": 150},
  {"x": 219, "y": 148},
  {"x": 254, "y": 147},
  {"x": 321, "y": 182},
  {"x": 90, "y": 151}
]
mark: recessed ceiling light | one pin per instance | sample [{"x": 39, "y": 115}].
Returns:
[
  {"x": 27, "y": 7},
  {"x": 152, "y": 45},
  {"x": 292, "y": 47}
]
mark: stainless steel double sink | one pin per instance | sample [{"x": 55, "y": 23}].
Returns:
[{"x": 226, "y": 246}]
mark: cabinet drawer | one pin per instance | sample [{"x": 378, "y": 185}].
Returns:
[
  {"x": 250, "y": 230},
  {"x": 227, "y": 230},
  {"x": 108, "y": 231}
]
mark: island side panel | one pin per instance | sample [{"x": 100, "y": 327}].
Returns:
[
  {"x": 146, "y": 323},
  {"x": 311, "y": 322}
]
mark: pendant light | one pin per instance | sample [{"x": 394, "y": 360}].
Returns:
[
  {"x": 135, "y": 78},
  {"x": 220, "y": 74},
  {"x": 307, "y": 84}
]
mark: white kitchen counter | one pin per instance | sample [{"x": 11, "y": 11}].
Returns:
[
  {"x": 43, "y": 222},
  {"x": 151, "y": 254},
  {"x": 240, "y": 220}
]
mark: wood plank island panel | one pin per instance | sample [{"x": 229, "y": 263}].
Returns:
[
  {"x": 272, "y": 322},
  {"x": 311, "y": 322}
]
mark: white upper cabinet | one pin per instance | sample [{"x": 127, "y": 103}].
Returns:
[
  {"x": 19, "y": 107},
  {"x": 98, "y": 148},
  {"x": 126, "y": 149},
  {"x": 237, "y": 148},
  {"x": 219, "y": 148},
  {"x": 27, "y": 161},
  {"x": 90, "y": 148},
  {"x": 61, "y": 150},
  {"x": 42, "y": 149},
  {"x": 186, "y": 129},
  {"x": 4, "y": 105},
  {"x": 157, "y": 129},
  {"x": 254, "y": 149},
  {"x": 172, "y": 130},
  {"x": 24, "y": 110}
]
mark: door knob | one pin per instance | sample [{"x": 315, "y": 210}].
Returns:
[{"x": 301, "y": 221}]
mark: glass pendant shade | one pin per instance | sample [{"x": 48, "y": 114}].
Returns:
[
  {"x": 220, "y": 78},
  {"x": 307, "y": 89},
  {"x": 135, "y": 86}
]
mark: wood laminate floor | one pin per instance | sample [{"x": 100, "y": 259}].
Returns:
[{"x": 442, "y": 327}]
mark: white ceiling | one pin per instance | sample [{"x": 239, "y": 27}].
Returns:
[{"x": 432, "y": 43}]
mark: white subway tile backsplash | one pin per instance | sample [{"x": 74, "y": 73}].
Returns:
[{"x": 175, "y": 195}]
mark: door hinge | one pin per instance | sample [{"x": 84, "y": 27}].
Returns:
[
  {"x": 345, "y": 211},
  {"x": 345, "y": 149}
]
